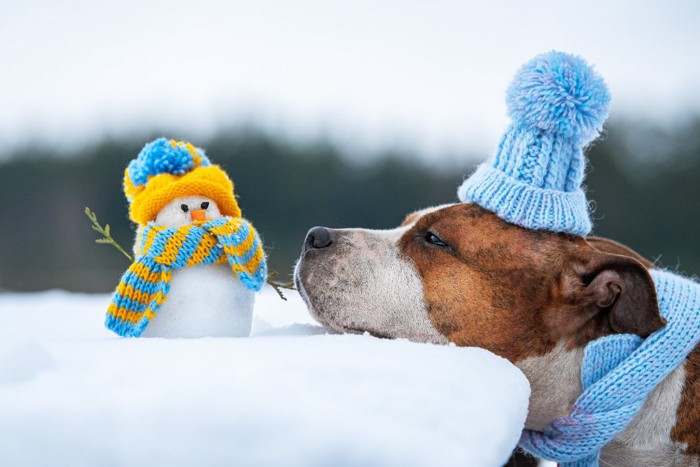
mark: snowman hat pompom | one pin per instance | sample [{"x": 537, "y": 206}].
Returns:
[
  {"x": 558, "y": 104},
  {"x": 167, "y": 169},
  {"x": 165, "y": 156}
]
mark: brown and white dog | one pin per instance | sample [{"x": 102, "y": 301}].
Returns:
[{"x": 460, "y": 274}]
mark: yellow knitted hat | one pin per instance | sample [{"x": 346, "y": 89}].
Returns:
[{"x": 168, "y": 169}]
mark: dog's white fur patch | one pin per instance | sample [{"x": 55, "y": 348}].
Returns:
[
  {"x": 362, "y": 284},
  {"x": 555, "y": 379}
]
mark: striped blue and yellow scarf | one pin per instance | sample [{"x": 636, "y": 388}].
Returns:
[{"x": 145, "y": 285}]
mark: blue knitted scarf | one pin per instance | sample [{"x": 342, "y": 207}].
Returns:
[{"x": 618, "y": 373}]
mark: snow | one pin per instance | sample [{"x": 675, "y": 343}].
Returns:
[{"x": 72, "y": 393}]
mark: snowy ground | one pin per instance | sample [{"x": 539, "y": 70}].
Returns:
[{"x": 73, "y": 394}]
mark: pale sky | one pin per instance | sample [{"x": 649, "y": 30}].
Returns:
[{"x": 424, "y": 75}]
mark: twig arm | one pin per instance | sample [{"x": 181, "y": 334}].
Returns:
[
  {"x": 104, "y": 231},
  {"x": 278, "y": 286}
]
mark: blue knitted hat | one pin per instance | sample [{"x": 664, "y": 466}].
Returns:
[{"x": 558, "y": 105}]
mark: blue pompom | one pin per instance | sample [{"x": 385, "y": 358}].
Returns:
[
  {"x": 161, "y": 156},
  {"x": 560, "y": 94}
]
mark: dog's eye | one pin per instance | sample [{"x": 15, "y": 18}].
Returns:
[
  {"x": 205, "y": 204},
  {"x": 184, "y": 207},
  {"x": 434, "y": 239}
]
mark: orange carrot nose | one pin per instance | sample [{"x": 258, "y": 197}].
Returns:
[{"x": 198, "y": 215}]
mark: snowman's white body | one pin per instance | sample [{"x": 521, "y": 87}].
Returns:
[{"x": 207, "y": 300}]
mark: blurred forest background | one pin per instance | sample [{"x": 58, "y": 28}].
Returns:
[{"x": 644, "y": 180}]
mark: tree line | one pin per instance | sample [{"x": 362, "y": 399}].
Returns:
[{"x": 644, "y": 181}]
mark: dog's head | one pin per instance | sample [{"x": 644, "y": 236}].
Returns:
[{"x": 460, "y": 274}]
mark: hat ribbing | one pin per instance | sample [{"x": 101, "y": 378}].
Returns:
[{"x": 558, "y": 105}]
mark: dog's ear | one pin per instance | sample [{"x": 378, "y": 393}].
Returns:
[{"x": 621, "y": 288}]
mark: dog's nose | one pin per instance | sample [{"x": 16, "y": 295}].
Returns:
[{"x": 318, "y": 237}]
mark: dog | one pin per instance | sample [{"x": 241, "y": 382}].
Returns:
[{"x": 459, "y": 274}]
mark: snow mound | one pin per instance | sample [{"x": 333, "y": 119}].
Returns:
[{"x": 71, "y": 393}]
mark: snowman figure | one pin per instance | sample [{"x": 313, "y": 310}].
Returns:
[{"x": 198, "y": 263}]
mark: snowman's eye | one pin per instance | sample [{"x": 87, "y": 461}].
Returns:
[
  {"x": 184, "y": 207},
  {"x": 205, "y": 204}
]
